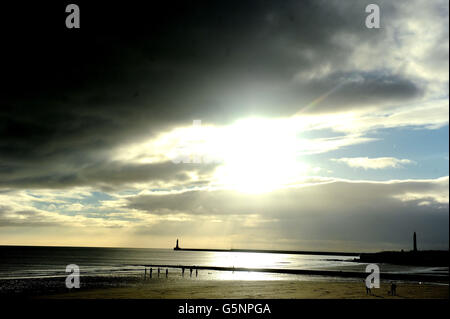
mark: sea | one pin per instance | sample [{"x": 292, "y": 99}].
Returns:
[{"x": 21, "y": 262}]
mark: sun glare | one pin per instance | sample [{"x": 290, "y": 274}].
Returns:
[
  {"x": 253, "y": 155},
  {"x": 259, "y": 156}
]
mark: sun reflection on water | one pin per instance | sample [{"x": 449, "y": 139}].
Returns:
[
  {"x": 244, "y": 275},
  {"x": 249, "y": 260}
]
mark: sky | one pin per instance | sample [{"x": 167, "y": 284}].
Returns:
[{"x": 228, "y": 124}]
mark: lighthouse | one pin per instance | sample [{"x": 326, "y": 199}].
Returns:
[
  {"x": 414, "y": 239},
  {"x": 177, "y": 247}
]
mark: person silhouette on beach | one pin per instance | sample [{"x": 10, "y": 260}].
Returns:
[
  {"x": 368, "y": 290},
  {"x": 190, "y": 272},
  {"x": 167, "y": 272},
  {"x": 393, "y": 289},
  {"x": 196, "y": 272},
  {"x": 151, "y": 271},
  {"x": 182, "y": 271},
  {"x": 159, "y": 271}
]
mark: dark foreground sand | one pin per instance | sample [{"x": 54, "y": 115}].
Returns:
[{"x": 280, "y": 289}]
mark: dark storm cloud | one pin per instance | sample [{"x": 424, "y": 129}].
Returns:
[
  {"x": 70, "y": 98},
  {"x": 201, "y": 202},
  {"x": 359, "y": 90},
  {"x": 354, "y": 214},
  {"x": 24, "y": 218},
  {"x": 363, "y": 212},
  {"x": 110, "y": 176},
  {"x": 336, "y": 195}
]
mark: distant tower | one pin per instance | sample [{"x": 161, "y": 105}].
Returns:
[
  {"x": 414, "y": 238},
  {"x": 177, "y": 247}
]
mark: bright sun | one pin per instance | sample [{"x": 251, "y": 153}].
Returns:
[
  {"x": 259, "y": 156},
  {"x": 254, "y": 155}
]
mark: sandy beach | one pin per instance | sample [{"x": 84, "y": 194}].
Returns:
[{"x": 280, "y": 289}]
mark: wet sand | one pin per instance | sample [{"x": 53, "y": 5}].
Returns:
[{"x": 230, "y": 289}]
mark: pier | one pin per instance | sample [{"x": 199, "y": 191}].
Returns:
[{"x": 270, "y": 251}]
